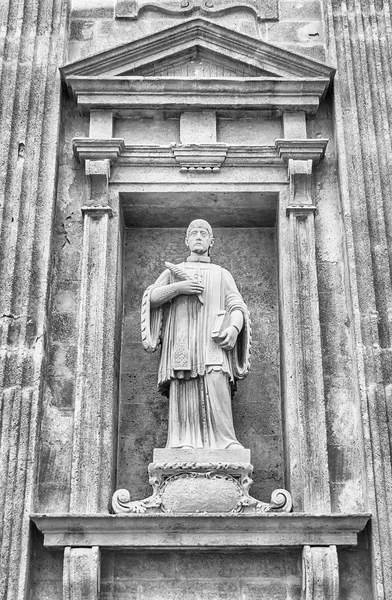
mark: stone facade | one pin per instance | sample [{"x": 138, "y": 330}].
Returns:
[{"x": 120, "y": 122}]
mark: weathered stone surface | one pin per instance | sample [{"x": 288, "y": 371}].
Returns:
[
  {"x": 203, "y": 531},
  {"x": 82, "y": 573},
  {"x": 360, "y": 45},
  {"x": 234, "y": 454},
  {"x": 320, "y": 573},
  {"x": 188, "y": 494},
  {"x": 31, "y": 49},
  {"x": 352, "y": 240},
  {"x": 194, "y": 575}
]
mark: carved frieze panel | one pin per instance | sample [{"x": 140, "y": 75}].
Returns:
[{"x": 262, "y": 9}]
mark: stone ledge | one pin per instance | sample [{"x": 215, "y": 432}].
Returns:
[
  {"x": 200, "y": 531},
  {"x": 124, "y": 92}
]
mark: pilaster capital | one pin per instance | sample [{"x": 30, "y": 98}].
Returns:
[
  {"x": 98, "y": 168},
  {"x": 95, "y": 149},
  {"x": 96, "y": 212},
  {"x": 299, "y": 167},
  {"x": 302, "y": 149},
  {"x": 300, "y": 174},
  {"x": 303, "y": 210},
  {"x": 97, "y": 154}
]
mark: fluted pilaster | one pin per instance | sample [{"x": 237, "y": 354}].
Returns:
[
  {"x": 360, "y": 35},
  {"x": 31, "y": 49}
]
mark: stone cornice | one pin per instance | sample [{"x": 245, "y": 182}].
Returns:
[
  {"x": 214, "y": 93},
  {"x": 302, "y": 149},
  {"x": 122, "y": 59},
  {"x": 200, "y": 531},
  {"x": 170, "y": 155},
  {"x": 97, "y": 149}
]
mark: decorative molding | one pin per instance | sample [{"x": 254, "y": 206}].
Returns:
[
  {"x": 239, "y": 156},
  {"x": 193, "y": 487},
  {"x": 131, "y": 9},
  {"x": 97, "y": 154},
  {"x": 320, "y": 568},
  {"x": 97, "y": 211},
  {"x": 81, "y": 573},
  {"x": 200, "y": 157},
  {"x": 108, "y": 80},
  {"x": 302, "y": 149},
  {"x": 197, "y": 531},
  {"x": 97, "y": 149},
  {"x": 273, "y": 93},
  {"x": 252, "y": 156},
  {"x": 201, "y": 33},
  {"x": 301, "y": 210}
]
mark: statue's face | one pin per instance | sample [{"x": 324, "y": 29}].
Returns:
[{"x": 199, "y": 240}]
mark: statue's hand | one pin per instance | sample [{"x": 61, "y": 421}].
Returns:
[
  {"x": 229, "y": 338},
  {"x": 189, "y": 287}
]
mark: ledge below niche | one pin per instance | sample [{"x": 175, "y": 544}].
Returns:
[{"x": 200, "y": 531}]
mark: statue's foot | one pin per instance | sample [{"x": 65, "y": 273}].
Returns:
[{"x": 234, "y": 445}]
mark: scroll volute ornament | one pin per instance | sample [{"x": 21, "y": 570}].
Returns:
[{"x": 130, "y": 9}]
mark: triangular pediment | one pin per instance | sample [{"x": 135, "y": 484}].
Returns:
[
  {"x": 198, "y": 48},
  {"x": 198, "y": 61}
]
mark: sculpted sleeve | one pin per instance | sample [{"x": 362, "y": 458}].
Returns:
[
  {"x": 151, "y": 321},
  {"x": 242, "y": 349}
]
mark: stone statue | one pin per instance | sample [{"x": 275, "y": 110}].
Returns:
[{"x": 195, "y": 311}]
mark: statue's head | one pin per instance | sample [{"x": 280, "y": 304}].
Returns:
[{"x": 199, "y": 238}]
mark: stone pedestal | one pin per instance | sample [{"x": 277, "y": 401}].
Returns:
[{"x": 200, "y": 481}]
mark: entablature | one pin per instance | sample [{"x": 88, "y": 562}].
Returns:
[
  {"x": 124, "y": 93},
  {"x": 112, "y": 85}
]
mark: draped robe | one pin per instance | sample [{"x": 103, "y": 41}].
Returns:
[{"x": 200, "y": 375}]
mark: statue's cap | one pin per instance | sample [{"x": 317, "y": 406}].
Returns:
[{"x": 199, "y": 224}]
